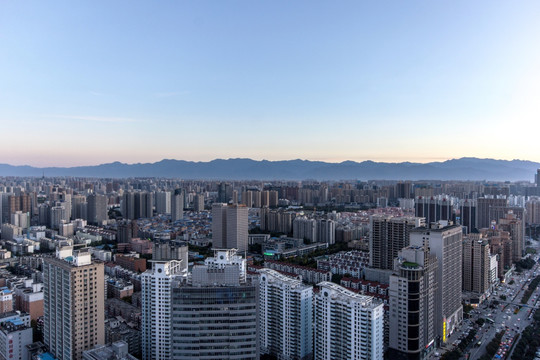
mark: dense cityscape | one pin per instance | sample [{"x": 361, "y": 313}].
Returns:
[
  {"x": 269, "y": 180},
  {"x": 150, "y": 268}
]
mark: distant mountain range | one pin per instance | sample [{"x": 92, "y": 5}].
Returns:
[{"x": 243, "y": 169}]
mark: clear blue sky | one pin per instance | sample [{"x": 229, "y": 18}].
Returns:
[{"x": 138, "y": 81}]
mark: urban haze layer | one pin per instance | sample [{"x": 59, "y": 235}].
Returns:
[{"x": 164, "y": 268}]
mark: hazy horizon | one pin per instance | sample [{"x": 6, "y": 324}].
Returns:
[{"x": 277, "y": 160}]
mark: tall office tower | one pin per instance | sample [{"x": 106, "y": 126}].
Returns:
[
  {"x": 326, "y": 231},
  {"x": 264, "y": 218},
  {"x": 16, "y": 203},
  {"x": 67, "y": 213},
  {"x": 74, "y": 301},
  {"x": 493, "y": 269},
  {"x": 156, "y": 309},
  {"x": 219, "y": 225},
  {"x": 82, "y": 210},
  {"x": 163, "y": 202},
  {"x": 139, "y": 204},
  {"x": 144, "y": 204},
  {"x": 265, "y": 198},
  {"x": 128, "y": 206},
  {"x": 286, "y": 316},
  {"x": 235, "y": 197},
  {"x": 476, "y": 264},
  {"x": 434, "y": 208},
  {"x": 4, "y": 207},
  {"x": 198, "y": 203},
  {"x": 229, "y": 227},
  {"x": 304, "y": 228},
  {"x": 347, "y": 325},
  {"x": 388, "y": 236},
  {"x": 148, "y": 209},
  {"x": 26, "y": 203},
  {"x": 533, "y": 211},
  {"x": 127, "y": 230},
  {"x": 44, "y": 214},
  {"x": 412, "y": 291},
  {"x": 76, "y": 201},
  {"x": 323, "y": 194},
  {"x": 516, "y": 229},
  {"x": 256, "y": 196},
  {"x": 34, "y": 203},
  {"x": 403, "y": 190},
  {"x": 274, "y": 198},
  {"x": 66, "y": 201},
  {"x": 97, "y": 209},
  {"x": 215, "y": 312},
  {"x": 537, "y": 177},
  {"x": 446, "y": 208},
  {"x": 445, "y": 242},
  {"x": 225, "y": 191},
  {"x": 247, "y": 198},
  {"x": 467, "y": 215},
  {"x": 500, "y": 244},
  {"x": 57, "y": 215},
  {"x": 489, "y": 209},
  {"x": 177, "y": 205}
]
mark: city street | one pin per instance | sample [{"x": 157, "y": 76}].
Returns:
[{"x": 504, "y": 315}]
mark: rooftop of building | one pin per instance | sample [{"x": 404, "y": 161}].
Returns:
[
  {"x": 45, "y": 356},
  {"x": 115, "y": 351},
  {"x": 281, "y": 277},
  {"x": 440, "y": 226},
  {"x": 119, "y": 283},
  {"x": 5, "y": 291},
  {"x": 346, "y": 293},
  {"x": 409, "y": 264},
  {"x": 297, "y": 266},
  {"x": 365, "y": 282},
  {"x": 12, "y": 325}
]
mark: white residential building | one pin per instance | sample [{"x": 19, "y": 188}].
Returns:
[
  {"x": 156, "y": 309},
  {"x": 285, "y": 316},
  {"x": 347, "y": 325}
]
